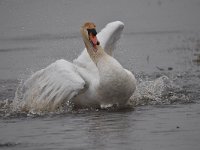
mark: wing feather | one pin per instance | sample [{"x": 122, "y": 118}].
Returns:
[{"x": 48, "y": 88}]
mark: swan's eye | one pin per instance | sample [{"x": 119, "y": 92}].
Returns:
[{"x": 93, "y": 31}]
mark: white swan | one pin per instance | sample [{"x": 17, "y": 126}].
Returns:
[{"x": 94, "y": 79}]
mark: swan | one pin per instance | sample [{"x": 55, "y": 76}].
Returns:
[{"x": 94, "y": 80}]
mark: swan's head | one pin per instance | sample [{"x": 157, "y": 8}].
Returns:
[{"x": 89, "y": 33}]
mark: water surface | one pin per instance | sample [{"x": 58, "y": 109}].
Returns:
[{"x": 160, "y": 45}]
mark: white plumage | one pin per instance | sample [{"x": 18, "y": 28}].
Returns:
[{"x": 82, "y": 82}]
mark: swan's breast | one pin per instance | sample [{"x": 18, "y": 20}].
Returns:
[{"x": 116, "y": 84}]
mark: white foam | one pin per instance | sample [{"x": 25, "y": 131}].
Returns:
[{"x": 159, "y": 91}]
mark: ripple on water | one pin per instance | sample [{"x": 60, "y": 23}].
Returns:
[
  {"x": 151, "y": 90},
  {"x": 9, "y": 144}
]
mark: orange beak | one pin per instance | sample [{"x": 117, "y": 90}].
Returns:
[
  {"x": 93, "y": 40},
  {"x": 92, "y": 37}
]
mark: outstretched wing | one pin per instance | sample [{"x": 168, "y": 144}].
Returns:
[
  {"x": 108, "y": 38},
  {"x": 48, "y": 88}
]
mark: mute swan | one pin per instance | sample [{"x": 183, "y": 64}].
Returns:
[{"x": 94, "y": 79}]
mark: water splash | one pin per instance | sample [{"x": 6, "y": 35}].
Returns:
[
  {"x": 160, "y": 91},
  {"x": 19, "y": 103},
  {"x": 151, "y": 90}
]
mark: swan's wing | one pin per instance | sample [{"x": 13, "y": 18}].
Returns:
[
  {"x": 108, "y": 38},
  {"x": 48, "y": 88}
]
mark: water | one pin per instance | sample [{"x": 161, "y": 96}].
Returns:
[
  {"x": 160, "y": 44},
  {"x": 171, "y": 127}
]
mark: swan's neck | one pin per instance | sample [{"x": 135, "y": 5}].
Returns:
[{"x": 95, "y": 54}]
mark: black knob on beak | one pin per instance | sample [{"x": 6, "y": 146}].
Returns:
[{"x": 93, "y": 31}]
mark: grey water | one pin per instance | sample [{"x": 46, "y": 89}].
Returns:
[{"x": 160, "y": 45}]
